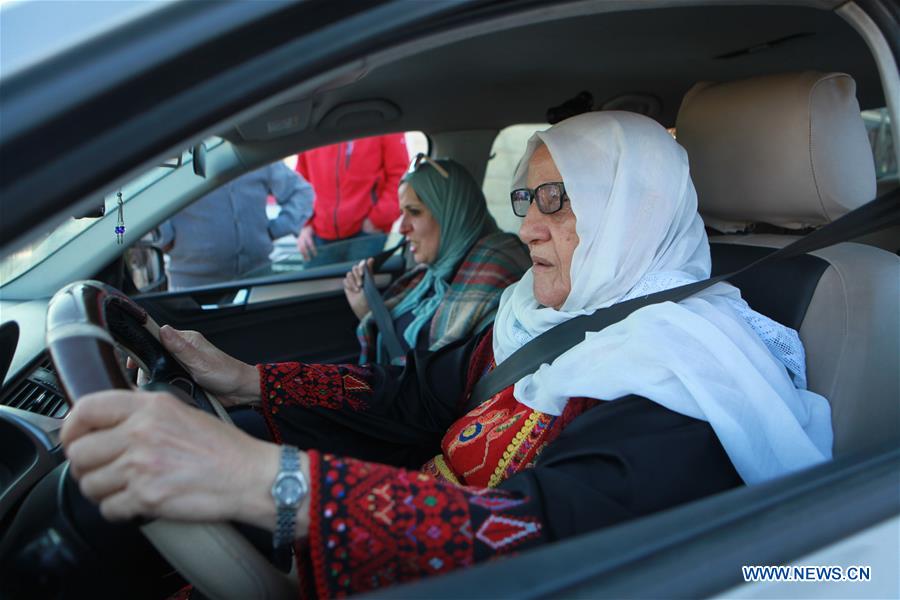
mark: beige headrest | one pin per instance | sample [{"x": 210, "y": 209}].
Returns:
[{"x": 790, "y": 150}]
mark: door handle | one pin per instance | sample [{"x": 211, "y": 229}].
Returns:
[{"x": 239, "y": 299}]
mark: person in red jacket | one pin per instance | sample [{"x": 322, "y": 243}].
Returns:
[{"x": 356, "y": 189}]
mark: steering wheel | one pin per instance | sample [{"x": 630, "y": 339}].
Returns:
[{"x": 86, "y": 322}]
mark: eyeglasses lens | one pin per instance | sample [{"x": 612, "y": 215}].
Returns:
[
  {"x": 521, "y": 200},
  {"x": 549, "y": 198}
]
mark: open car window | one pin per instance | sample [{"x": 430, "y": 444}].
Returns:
[
  {"x": 505, "y": 154},
  {"x": 249, "y": 228}
]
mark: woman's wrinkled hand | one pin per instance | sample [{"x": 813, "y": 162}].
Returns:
[
  {"x": 232, "y": 381},
  {"x": 353, "y": 288},
  {"x": 145, "y": 453}
]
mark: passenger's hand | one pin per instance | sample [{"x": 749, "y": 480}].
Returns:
[
  {"x": 305, "y": 242},
  {"x": 353, "y": 288},
  {"x": 368, "y": 226},
  {"x": 232, "y": 381},
  {"x": 144, "y": 453}
]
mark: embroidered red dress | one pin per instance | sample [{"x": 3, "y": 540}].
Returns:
[{"x": 502, "y": 478}]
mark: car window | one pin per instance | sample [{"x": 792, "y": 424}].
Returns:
[
  {"x": 35, "y": 252},
  {"x": 506, "y": 151},
  {"x": 878, "y": 127},
  {"x": 328, "y": 205}
]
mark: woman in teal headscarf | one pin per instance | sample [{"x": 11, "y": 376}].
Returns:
[{"x": 463, "y": 262}]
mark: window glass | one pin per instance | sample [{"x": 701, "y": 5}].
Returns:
[
  {"x": 505, "y": 154},
  {"x": 878, "y": 127},
  {"x": 334, "y": 204},
  {"x": 53, "y": 240}
]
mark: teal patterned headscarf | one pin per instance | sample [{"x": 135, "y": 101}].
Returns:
[{"x": 457, "y": 204}]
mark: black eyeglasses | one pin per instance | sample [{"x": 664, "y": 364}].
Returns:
[{"x": 550, "y": 197}]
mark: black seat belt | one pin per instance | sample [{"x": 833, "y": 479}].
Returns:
[
  {"x": 874, "y": 216},
  {"x": 380, "y": 313}
]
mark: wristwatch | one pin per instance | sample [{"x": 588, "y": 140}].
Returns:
[{"x": 288, "y": 491}]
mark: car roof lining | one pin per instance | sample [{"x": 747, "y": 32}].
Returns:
[{"x": 466, "y": 83}]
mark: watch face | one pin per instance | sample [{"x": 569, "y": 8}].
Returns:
[{"x": 289, "y": 490}]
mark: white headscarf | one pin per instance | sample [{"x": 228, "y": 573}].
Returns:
[{"x": 709, "y": 357}]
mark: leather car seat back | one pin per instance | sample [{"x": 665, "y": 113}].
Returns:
[{"x": 791, "y": 151}]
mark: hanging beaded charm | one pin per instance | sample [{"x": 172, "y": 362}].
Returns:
[{"x": 120, "y": 222}]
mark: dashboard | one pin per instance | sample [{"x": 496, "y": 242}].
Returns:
[{"x": 32, "y": 404}]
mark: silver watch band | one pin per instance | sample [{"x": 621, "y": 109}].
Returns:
[{"x": 288, "y": 491}]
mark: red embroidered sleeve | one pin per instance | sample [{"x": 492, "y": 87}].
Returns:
[
  {"x": 335, "y": 387},
  {"x": 338, "y": 387},
  {"x": 373, "y": 526}
]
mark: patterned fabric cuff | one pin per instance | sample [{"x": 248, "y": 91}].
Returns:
[
  {"x": 374, "y": 526},
  {"x": 334, "y": 387},
  {"x": 377, "y": 526},
  {"x": 265, "y": 405},
  {"x": 316, "y": 547}
]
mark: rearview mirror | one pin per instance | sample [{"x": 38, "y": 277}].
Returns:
[
  {"x": 199, "y": 152},
  {"x": 94, "y": 212}
]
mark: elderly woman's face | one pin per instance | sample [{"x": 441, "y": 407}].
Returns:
[
  {"x": 551, "y": 239},
  {"x": 419, "y": 226}
]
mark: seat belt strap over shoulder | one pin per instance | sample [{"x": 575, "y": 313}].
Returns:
[
  {"x": 380, "y": 313},
  {"x": 874, "y": 216}
]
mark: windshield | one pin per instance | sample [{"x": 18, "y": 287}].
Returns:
[
  {"x": 35, "y": 252},
  {"x": 33, "y": 31}
]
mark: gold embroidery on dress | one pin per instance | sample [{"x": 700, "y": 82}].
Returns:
[
  {"x": 444, "y": 470},
  {"x": 514, "y": 445},
  {"x": 493, "y": 434}
]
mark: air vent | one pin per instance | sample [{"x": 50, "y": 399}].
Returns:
[{"x": 39, "y": 393}]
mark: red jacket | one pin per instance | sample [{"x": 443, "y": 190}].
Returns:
[{"x": 354, "y": 180}]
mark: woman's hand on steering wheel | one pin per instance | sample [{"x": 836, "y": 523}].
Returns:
[
  {"x": 232, "y": 381},
  {"x": 147, "y": 453},
  {"x": 150, "y": 453}
]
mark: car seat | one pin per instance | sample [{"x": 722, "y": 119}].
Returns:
[{"x": 772, "y": 156}]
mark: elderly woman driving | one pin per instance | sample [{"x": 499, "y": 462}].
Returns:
[
  {"x": 407, "y": 479},
  {"x": 463, "y": 262}
]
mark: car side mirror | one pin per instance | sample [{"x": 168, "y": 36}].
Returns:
[{"x": 146, "y": 266}]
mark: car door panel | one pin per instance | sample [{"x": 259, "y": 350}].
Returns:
[{"x": 305, "y": 317}]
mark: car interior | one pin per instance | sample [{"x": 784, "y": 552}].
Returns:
[{"x": 767, "y": 101}]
